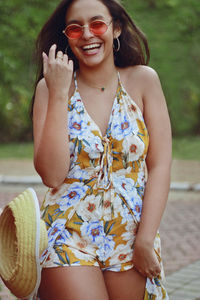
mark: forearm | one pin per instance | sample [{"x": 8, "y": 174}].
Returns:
[
  {"x": 52, "y": 156},
  {"x": 154, "y": 202}
]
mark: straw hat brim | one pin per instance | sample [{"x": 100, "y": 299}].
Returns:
[{"x": 23, "y": 238}]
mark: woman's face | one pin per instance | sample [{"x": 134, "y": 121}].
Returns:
[{"x": 90, "y": 49}]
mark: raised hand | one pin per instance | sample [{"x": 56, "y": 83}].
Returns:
[{"x": 57, "y": 71}]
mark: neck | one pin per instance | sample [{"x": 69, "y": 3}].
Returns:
[{"x": 99, "y": 76}]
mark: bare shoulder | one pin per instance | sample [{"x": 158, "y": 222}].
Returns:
[
  {"x": 145, "y": 71},
  {"x": 143, "y": 74},
  {"x": 148, "y": 76},
  {"x": 148, "y": 82},
  {"x": 138, "y": 80}
]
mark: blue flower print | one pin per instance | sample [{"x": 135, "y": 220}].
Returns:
[
  {"x": 123, "y": 126},
  {"x": 137, "y": 208},
  {"x": 135, "y": 204},
  {"x": 104, "y": 252},
  {"x": 125, "y": 186},
  {"x": 126, "y": 214},
  {"x": 63, "y": 237},
  {"x": 76, "y": 102},
  {"x": 93, "y": 146},
  {"x": 93, "y": 231},
  {"x": 55, "y": 230},
  {"x": 78, "y": 126},
  {"x": 74, "y": 194},
  {"x": 78, "y": 173}
]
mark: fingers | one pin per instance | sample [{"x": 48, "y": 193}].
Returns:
[
  {"x": 56, "y": 65},
  {"x": 147, "y": 264},
  {"x": 70, "y": 63},
  {"x": 65, "y": 58},
  {"x": 53, "y": 55},
  {"x": 52, "y": 52},
  {"x": 151, "y": 273},
  {"x": 154, "y": 271},
  {"x": 45, "y": 59},
  {"x": 59, "y": 55}
]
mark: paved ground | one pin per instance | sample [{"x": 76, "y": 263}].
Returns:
[{"x": 180, "y": 227}]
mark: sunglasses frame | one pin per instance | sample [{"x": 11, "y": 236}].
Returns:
[{"x": 84, "y": 26}]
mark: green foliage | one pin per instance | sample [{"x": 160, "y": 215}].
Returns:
[
  {"x": 20, "y": 23},
  {"x": 172, "y": 28}
]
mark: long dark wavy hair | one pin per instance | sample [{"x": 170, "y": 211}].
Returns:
[{"x": 134, "y": 48}]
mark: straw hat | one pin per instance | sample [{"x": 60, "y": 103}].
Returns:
[{"x": 23, "y": 238}]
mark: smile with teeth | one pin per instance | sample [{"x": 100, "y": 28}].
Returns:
[{"x": 91, "y": 46}]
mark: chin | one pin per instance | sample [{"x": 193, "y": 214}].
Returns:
[{"x": 91, "y": 61}]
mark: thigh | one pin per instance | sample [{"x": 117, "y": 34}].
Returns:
[
  {"x": 73, "y": 283},
  {"x": 126, "y": 285}
]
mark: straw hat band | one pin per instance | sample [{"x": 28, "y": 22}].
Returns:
[{"x": 23, "y": 238}]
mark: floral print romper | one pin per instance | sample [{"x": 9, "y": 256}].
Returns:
[{"x": 93, "y": 217}]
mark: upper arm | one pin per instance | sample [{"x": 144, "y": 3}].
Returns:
[
  {"x": 39, "y": 112},
  {"x": 157, "y": 121}
]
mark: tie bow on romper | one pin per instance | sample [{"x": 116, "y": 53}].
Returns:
[{"x": 93, "y": 217}]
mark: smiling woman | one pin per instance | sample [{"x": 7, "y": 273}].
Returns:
[{"x": 96, "y": 129}]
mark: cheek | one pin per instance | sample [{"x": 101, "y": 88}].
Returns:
[
  {"x": 73, "y": 47},
  {"x": 71, "y": 44},
  {"x": 109, "y": 41},
  {"x": 109, "y": 36}
]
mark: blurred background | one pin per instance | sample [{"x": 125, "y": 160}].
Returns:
[{"x": 173, "y": 31}]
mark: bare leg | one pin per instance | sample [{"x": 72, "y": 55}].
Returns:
[
  {"x": 73, "y": 283},
  {"x": 127, "y": 285}
]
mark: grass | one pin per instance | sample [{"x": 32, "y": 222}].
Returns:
[
  {"x": 186, "y": 148},
  {"x": 16, "y": 150}
]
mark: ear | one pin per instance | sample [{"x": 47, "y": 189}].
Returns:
[
  {"x": 117, "y": 32},
  {"x": 116, "y": 35}
]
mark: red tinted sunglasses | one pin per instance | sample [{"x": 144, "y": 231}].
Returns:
[{"x": 75, "y": 31}]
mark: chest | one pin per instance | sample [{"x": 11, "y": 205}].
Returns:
[
  {"x": 99, "y": 108},
  {"x": 123, "y": 134}
]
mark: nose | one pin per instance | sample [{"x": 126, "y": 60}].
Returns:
[{"x": 86, "y": 32}]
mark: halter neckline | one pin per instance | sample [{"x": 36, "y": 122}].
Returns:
[{"x": 76, "y": 83}]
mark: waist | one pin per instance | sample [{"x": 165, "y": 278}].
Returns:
[{"x": 94, "y": 174}]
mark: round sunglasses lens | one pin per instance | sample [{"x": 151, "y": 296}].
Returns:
[
  {"x": 73, "y": 32},
  {"x": 98, "y": 27}
]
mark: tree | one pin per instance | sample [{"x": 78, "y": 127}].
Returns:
[
  {"x": 20, "y": 23},
  {"x": 172, "y": 28}
]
